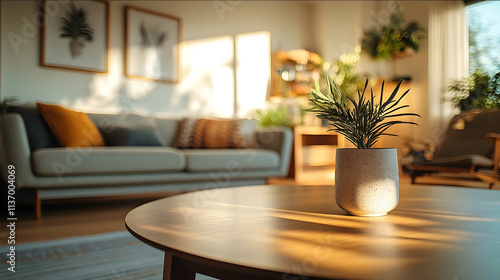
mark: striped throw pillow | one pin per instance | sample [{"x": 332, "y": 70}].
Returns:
[{"x": 209, "y": 134}]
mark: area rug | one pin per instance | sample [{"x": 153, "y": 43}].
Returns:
[{"x": 109, "y": 256}]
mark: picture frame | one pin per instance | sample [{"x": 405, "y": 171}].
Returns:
[
  {"x": 152, "y": 49},
  {"x": 75, "y": 35}
]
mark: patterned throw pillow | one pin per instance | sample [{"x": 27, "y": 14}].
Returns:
[{"x": 210, "y": 134}]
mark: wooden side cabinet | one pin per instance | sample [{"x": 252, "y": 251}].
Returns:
[{"x": 314, "y": 151}]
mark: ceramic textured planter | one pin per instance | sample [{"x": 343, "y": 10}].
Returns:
[{"x": 367, "y": 181}]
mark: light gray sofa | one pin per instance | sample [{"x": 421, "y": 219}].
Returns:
[{"x": 58, "y": 172}]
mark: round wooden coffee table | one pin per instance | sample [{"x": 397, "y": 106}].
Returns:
[{"x": 298, "y": 232}]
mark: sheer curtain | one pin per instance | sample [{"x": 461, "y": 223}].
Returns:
[{"x": 448, "y": 57}]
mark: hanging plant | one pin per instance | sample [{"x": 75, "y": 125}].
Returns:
[{"x": 393, "y": 39}]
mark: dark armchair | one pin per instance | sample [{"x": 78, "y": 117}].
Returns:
[{"x": 471, "y": 146}]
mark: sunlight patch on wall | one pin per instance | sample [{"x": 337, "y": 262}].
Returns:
[
  {"x": 139, "y": 89},
  {"x": 208, "y": 77},
  {"x": 103, "y": 89},
  {"x": 253, "y": 53},
  {"x": 210, "y": 67}
]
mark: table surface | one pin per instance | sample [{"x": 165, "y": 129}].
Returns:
[{"x": 434, "y": 233}]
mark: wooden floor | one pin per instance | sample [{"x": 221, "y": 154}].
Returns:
[{"x": 76, "y": 217}]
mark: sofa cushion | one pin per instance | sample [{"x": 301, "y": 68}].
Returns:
[
  {"x": 106, "y": 160},
  {"x": 39, "y": 133},
  {"x": 125, "y": 136},
  {"x": 71, "y": 128},
  {"x": 231, "y": 160}
]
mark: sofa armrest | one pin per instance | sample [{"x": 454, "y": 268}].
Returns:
[
  {"x": 280, "y": 140},
  {"x": 496, "y": 153},
  {"x": 493, "y": 135},
  {"x": 15, "y": 149}
]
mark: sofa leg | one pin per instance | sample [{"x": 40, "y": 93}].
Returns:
[
  {"x": 413, "y": 178},
  {"x": 30, "y": 199},
  {"x": 38, "y": 205}
]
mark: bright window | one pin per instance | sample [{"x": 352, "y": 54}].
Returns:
[{"x": 484, "y": 37}]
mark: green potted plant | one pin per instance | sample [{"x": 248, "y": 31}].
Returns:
[
  {"x": 344, "y": 72},
  {"x": 366, "y": 179},
  {"x": 280, "y": 115},
  {"x": 6, "y": 103},
  {"x": 394, "y": 39},
  {"x": 480, "y": 91}
]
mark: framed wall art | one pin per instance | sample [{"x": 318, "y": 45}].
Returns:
[
  {"x": 152, "y": 45},
  {"x": 75, "y": 35}
]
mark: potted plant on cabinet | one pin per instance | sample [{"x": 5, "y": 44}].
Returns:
[{"x": 366, "y": 179}]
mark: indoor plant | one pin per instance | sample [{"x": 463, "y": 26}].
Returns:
[
  {"x": 480, "y": 91},
  {"x": 344, "y": 72},
  {"x": 393, "y": 39},
  {"x": 287, "y": 115},
  {"x": 366, "y": 179},
  {"x": 6, "y": 103}
]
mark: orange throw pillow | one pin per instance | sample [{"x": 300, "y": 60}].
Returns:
[{"x": 71, "y": 128}]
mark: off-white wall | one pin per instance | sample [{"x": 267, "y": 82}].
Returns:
[
  {"x": 287, "y": 23},
  {"x": 337, "y": 27}
]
